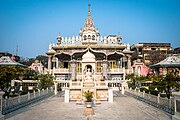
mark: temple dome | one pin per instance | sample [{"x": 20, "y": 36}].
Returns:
[{"x": 88, "y": 57}]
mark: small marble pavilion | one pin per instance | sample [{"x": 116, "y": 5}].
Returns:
[{"x": 169, "y": 65}]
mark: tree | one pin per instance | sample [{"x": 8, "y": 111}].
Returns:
[
  {"x": 132, "y": 79},
  {"x": 43, "y": 59},
  {"x": 135, "y": 81},
  {"x": 168, "y": 83},
  {"x": 8, "y": 73},
  {"x": 27, "y": 61},
  {"x": 156, "y": 56},
  {"x": 45, "y": 81}
]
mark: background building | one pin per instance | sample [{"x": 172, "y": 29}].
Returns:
[
  {"x": 151, "y": 53},
  {"x": 12, "y": 56}
]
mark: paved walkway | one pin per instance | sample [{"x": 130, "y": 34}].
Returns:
[{"x": 123, "y": 108}]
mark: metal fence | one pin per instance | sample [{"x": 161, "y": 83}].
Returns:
[
  {"x": 162, "y": 103},
  {"x": 14, "y": 103}
]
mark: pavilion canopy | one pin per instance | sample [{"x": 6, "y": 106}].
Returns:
[
  {"x": 7, "y": 61},
  {"x": 169, "y": 62}
]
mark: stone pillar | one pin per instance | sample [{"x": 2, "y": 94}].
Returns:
[
  {"x": 121, "y": 63},
  {"x": 110, "y": 95},
  {"x": 158, "y": 98},
  {"x": 55, "y": 87},
  {"x": 73, "y": 69},
  {"x": 176, "y": 116},
  {"x": 1, "y": 97},
  {"x": 66, "y": 96},
  {"x": 122, "y": 88},
  {"x": 105, "y": 67},
  {"x": 49, "y": 62},
  {"x": 57, "y": 61},
  {"x": 164, "y": 71},
  {"x": 156, "y": 71},
  {"x": 129, "y": 63}
]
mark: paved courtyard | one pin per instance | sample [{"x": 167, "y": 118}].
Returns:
[{"x": 123, "y": 108}]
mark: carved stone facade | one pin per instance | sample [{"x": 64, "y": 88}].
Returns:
[{"x": 89, "y": 58}]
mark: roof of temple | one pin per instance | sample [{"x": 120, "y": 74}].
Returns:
[
  {"x": 7, "y": 61},
  {"x": 172, "y": 61}
]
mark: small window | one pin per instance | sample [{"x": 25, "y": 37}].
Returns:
[
  {"x": 89, "y": 37},
  {"x": 93, "y": 37},
  {"x": 153, "y": 48},
  {"x": 85, "y": 37}
]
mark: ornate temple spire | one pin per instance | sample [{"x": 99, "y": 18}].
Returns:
[
  {"x": 89, "y": 11},
  {"x": 89, "y": 24},
  {"x": 89, "y": 33},
  {"x": 58, "y": 38}
]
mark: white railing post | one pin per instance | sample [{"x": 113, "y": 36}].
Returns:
[
  {"x": 66, "y": 97},
  {"x": 19, "y": 98},
  {"x": 34, "y": 93},
  {"x": 1, "y": 104},
  {"x": 110, "y": 95},
  {"x": 158, "y": 98},
  {"x": 29, "y": 96},
  {"x": 143, "y": 93},
  {"x": 43, "y": 91},
  {"x": 170, "y": 100},
  {"x": 176, "y": 115},
  {"x": 39, "y": 92},
  {"x": 47, "y": 90},
  {"x": 139, "y": 93},
  {"x": 55, "y": 88}
]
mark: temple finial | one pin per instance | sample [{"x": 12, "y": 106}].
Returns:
[{"x": 89, "y": 12}]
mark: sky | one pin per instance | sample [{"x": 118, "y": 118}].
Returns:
[{"x": 33, "y": 24}]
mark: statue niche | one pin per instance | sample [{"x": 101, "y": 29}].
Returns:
[{"x": 88, "y": 73}]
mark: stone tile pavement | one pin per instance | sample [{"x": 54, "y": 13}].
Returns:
[{"x": 123, "y": 108}]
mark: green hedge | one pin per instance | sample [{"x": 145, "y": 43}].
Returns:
[{"x": 144, "y": 89}]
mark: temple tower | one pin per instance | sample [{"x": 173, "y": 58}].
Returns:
[{"x": 89, "y": 33}]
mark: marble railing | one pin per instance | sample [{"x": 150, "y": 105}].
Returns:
[
  {"x": 60, "y": 70},
  {"x": 76, "y": 84},
  {"x": 101, "y": 84},
  {"x": 117, "y": 70}
]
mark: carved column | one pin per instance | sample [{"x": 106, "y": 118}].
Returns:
[
  {"x": 129, "y": 62},
  {"x": 105, "y": 68},
  {"x": 49, "y": 62},
  {"x": 57, "y": 63},
  {"x": 164, "y": 71},
  {"x": 73, "y": 69}
]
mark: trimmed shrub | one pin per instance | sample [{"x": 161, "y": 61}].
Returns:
[
  {"x": 153, "y": 92},
  {"x": 144, "y": 89}
]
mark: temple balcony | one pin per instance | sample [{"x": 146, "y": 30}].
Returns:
[
  {"x": 101, "y": 84},
  {"x": 60, "y": 70},
  {"x": 117, "y": 70},
  {"x": 76, "y": 84}
]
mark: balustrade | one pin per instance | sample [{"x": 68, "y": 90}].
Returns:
[
  {"x": 14, "y": 103},
  {"x": 116, "y": 70},
  {"x": 60, "y": 70},
  {"x": 157, "y": 101}
]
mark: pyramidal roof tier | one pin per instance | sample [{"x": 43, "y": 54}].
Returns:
[
  {"x": 171, "y": 61},
  {"x": 7, "y": 61},
  {"x": 89, "y": 24}
]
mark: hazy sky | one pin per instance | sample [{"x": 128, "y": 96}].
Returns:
[{"x": 34, "y": 24}]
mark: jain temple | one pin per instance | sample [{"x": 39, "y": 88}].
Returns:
[{"x": 89, "y": 61}]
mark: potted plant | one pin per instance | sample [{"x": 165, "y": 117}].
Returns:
[{"x": 88, "y": 96}]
